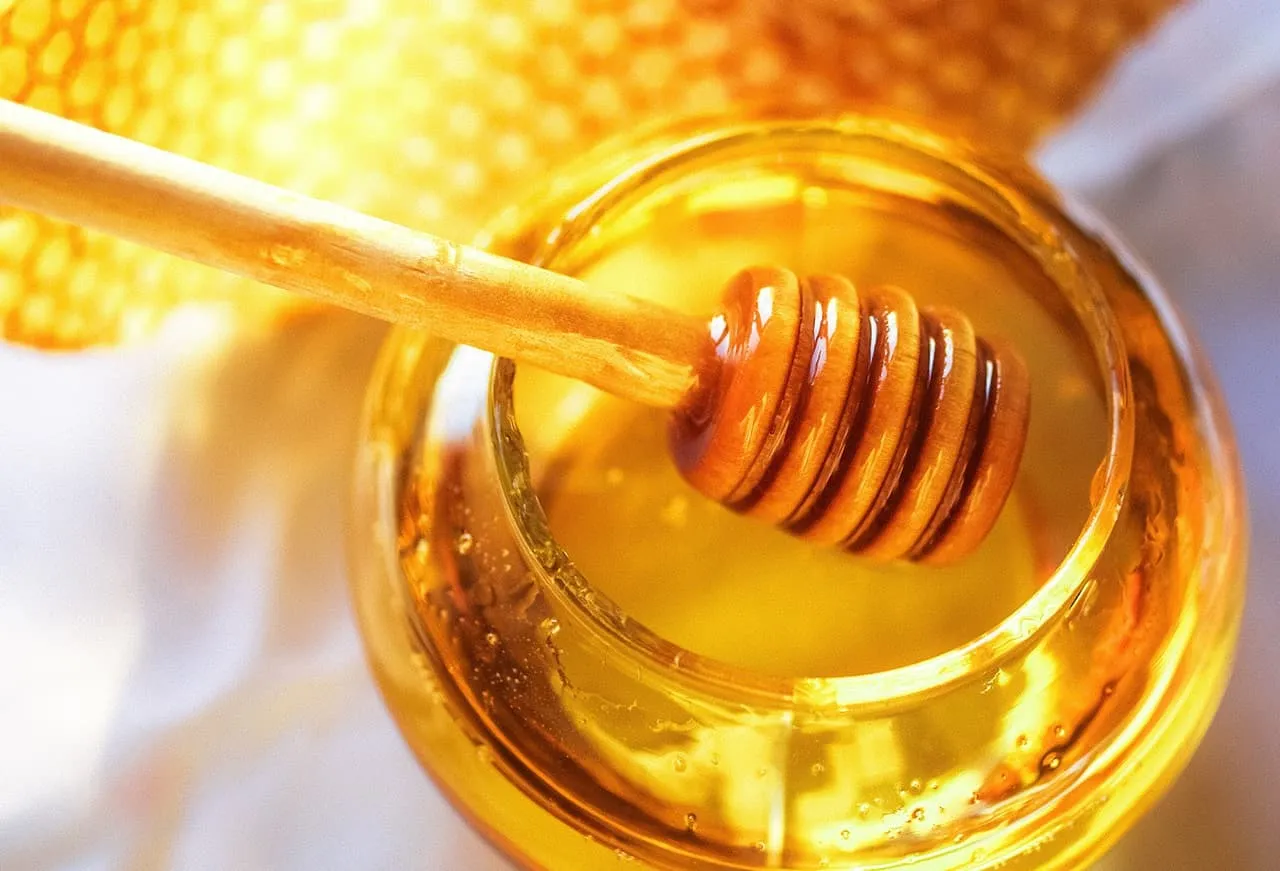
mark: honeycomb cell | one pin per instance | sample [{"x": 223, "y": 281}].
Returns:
[
  {"x": 704, "y": 96},
  {"x": 57, "y": 51},
  {"x": 602, "y": 36},
  {"x": 648, "y": 16},
  {"x": 118, "y": 108},
  {"x": 100, "y": 27},
  {"x": 429, "y": 208},
  {"x": 87, "y": 85},
  {"x": 30, "y": 21},
  {"x": 762, "y": 68},
  {"x": 510, "y": 94},
  {"x": 39, "y": 316},
  {"x": 82, "y": 281},
  {"x": 466, "y": 177},
  {"x": 506, "y": 33},
  {"x": 512, "y": 152},
  {"x": 458, "y": 62},
  {"x": 69, "y": 10},
  {"x": 10, "y": 290},
  {"x": 13, "y": 71},
  {"x": 198, "y": 35},
  {"x": 17, "y": 235},
  {"x": 52, "y": 262},
  {"x": 464, "y": 122},
  {"x": 128, "y": 49},
  {"x": 602, "y": 100},
  {"x": 556, "y": 124},
  {"x": 161, "y": 67},
  {"x": 47, "y": 98}
]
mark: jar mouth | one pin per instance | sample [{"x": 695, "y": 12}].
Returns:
[{"x": 1029, "y": 225}]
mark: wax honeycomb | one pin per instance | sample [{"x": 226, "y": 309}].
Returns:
[{"x": 435, "y": 114}]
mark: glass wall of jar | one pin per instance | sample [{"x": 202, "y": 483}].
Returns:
[{"x": 598, "y": 666}]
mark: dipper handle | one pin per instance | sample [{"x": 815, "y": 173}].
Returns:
[
  {"x": 626, "y": 346},
  {"x": 856, "y": 420}
]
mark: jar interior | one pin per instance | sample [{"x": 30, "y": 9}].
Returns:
[
  {"x": 736, "y": 590},
  {"x": 550, "y": 677}
]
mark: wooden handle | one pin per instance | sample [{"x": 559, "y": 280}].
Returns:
[
  {"x": 888, "y": 431},
  {"x": 629, "y": 347}
]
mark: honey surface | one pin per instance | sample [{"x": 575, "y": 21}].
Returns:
[
  {"x": 736, "y": 589},
  {"x": 748, "y": 594}
]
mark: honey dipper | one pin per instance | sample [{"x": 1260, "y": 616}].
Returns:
[{"x": 850, "y": 418}]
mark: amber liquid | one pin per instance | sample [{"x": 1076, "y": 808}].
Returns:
[
  {"x": 531, "y": 702},
  {"x": 739, "y": 591}
]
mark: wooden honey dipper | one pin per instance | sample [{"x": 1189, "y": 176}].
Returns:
[{"x": 856, "y": 420}]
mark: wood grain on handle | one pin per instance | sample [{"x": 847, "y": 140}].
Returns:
[{"x": 626, "y": 346}]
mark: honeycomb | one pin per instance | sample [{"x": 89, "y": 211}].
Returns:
[{"x": 434, "y": 113}]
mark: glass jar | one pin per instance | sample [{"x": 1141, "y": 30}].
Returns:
[{"x": 598, "y": 666}]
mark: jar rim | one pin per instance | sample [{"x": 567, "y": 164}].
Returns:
[{"x": 1029, "y": 225}]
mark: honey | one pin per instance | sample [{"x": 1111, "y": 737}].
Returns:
[
  {"x": 601, "y": 667},
  {"x": 744, "y": 593},
  {"x": 737, "y": 590}
]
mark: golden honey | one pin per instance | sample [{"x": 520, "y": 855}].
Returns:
[
  {"x": 600, "y": 667},
  {"x": 739, "y": 590}
]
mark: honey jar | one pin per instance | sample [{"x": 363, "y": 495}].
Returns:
[{"x": 600, "y": 667}]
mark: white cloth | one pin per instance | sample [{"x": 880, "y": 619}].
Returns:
[{"x": 181, "y": 682}]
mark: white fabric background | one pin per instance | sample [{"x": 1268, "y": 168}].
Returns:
[{"x": 181, "y": 684}]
